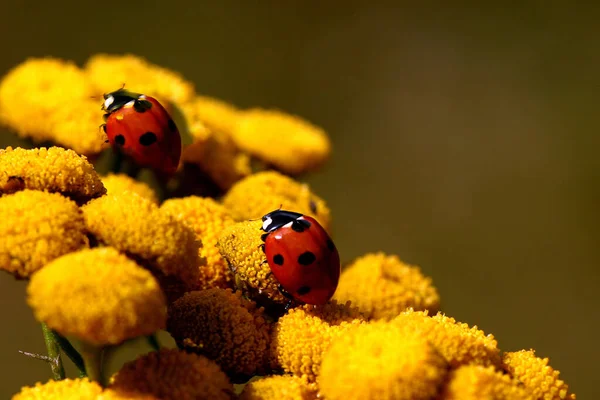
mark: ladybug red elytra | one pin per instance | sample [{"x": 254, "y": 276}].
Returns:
[
  {"x": 140, "y": 127},
  {"x": 301, "y": 255}
]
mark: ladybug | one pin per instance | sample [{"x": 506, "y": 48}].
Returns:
[
  {"x": 302, "y": 257},
  {"x": 140, "y": 127}
]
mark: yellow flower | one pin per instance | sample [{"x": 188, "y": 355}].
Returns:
[
  {"x": 380, "y": 361},
  {"x": 476, "y": 382},
  {"x": 290, "y": 143},
  {"x": 53, "y": 170},
  {"x": 278, "y": 387},
  {"x": 38, "y": 227},
  {"x": 97, "y": 295},
  {"x": 224, "y": 327},
  {"x": 217, "y": 114},
  {"x": 208, "y": 219},
  {"x": 539, "y": 378},
  {"x": 170, "y": 374},
  {"x": 263, "y": 192},
  {"x": 456, "y": 341},
  {"x": 121, "y": 183},
  {"x": 66, "y": 389},
  {"x": 382, "y": 286},
  {"x": 108, "y": 72},
  {"x": 301, "y": 336},
  {"x": 137, "y": 226}
]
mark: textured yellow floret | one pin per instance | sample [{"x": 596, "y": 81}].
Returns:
[
  {"x": 97, "y": 295},
  {"x": 382, "y": 286},
  {"x": 278, "y": 387},
  {"x": 380, "y": 361},
  {"x": 38, "y": 227},
  {"x": 288, "y": 142},
  {"x": 108, "y": 72},
  {"x": 224, "y": 327},
  {"x": 301, "y": 336},
  {"x": 121, "y": 183},
  {"x": 263, "y": 192},
  {"x": 217, "y": 114},
  {"x": 456, "y": 341},
  {"x": 66, "y": 389},
  {"x": 53, "y": 170},
  {"x": 137, "y": 226},
  {"x": 539, "y": 378},
  {"x": 208, "y": 219},
  {"x": 475, "y": 382},
  {"x": 171, "y": 374}
]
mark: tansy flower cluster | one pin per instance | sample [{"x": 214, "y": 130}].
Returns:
[{"x": 113, "y": 254}]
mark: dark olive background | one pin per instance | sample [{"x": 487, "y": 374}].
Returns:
[{"x": 465, "y": 141}]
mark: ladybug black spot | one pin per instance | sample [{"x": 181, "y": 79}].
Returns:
[
  {"x": 300, "y": 225},
  {"x": 142, "y": 105},
  {"x": 306, "y": 258},
  {"x": 172, "y": 125},
  {"x": 330, "y": 245},
  {"x": 120, "y": 140},
  {"x": 278, "y": 259},
  {"x": 303, "y": 290},
  {"x": 148, "y": 138},
  {"x": 313, "y": 206}
]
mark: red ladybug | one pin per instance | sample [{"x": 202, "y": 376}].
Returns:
[
  {"x": 301, "y": 255},
  {"x": 140, "y": 127}
]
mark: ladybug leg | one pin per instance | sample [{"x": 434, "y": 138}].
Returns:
[{"x": 262, "y": 247}]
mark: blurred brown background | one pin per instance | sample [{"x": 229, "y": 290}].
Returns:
[{"x": 465, "y": 141}]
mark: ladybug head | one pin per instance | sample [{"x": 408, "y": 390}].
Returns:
[
  {"x": 117, "y": 99},
  {"x": 278, "y": 218}
]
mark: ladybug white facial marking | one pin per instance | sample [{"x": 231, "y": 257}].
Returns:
[
  {"x": 109, "y": 100},
  {"x": 129, "y": 104},
  {"x": 266, "y": 223}
]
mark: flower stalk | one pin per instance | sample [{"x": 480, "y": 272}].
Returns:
[
  {"x": 93, "y": 360},
  {"x": 53, "y": 348}
]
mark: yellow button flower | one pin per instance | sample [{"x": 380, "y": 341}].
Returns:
[
  {"x": 263, "y": 192},
  {"x": 37, "y": 228},
  {"x": 290, "y": 143},
  {"x": 382, "y": 286},
  {"x": 66, "y": 389},
  {"x": 539, "y": 378},
  {"x": 97, "y": 295},
  {"x": 121, "y": 183},
  {"x": 476, "y": 382},
  {"x": 301, "y": 336},
  {"x": 224, "y": 327},
  {"x": 170, "y": 374},
  {"x": 53, "y": 170},
  {"x": 380, "y": 361},
  {"x": 218, "y": 115},
  {"x": 208, "y": 219},
  {"x": 278, "y": 387}
]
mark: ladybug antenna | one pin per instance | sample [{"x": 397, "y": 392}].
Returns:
[
  {"x": 122, "y": 86},
  {"x": 280, "y": 206}
]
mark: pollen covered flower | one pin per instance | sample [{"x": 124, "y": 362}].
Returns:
[
  {"x": 217, "y": 114},
  {"x": 37, "y": 228},
  {"x": 208, "y": 219},
  {"x": 170, "y": 374},
  {"x": 66, "y": 389},
  {"x": 97, "y": 295},
  {"x": 382, "y": 286},
  {"x": 380, "y": 361},
  {"x": 121, "y": 183},
  {"x": 288, "y": 142},
  {"x": 539, "y": 378},
  {"x": 224, "y": 327},
  {"x": 54, "y": 170},
  {"x": 278, "y": 387},
  {"x": 476, "y": 382},
  {"x": 263, "y": 192},
  {"x": 300, "y": 337}
]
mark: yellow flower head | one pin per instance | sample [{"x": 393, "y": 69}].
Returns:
[
  {"x": 382, "y": 286},
  {"x": 37, "y": 228},
  {"x": 108, "y": 72},
  {"x": 301, "y": 336},
  {"x": 171, "y": 374},
  {"x": 137, "y": 226},
  {"x": 97, "y": 295},
  {"x": 66, "y": 389},
  {"x": 53, "y": 170},
  {"x": 208, "y": 219},
  {"x": 476, "y": 382},
  {"x": 380, "y": 361},
  {"x": 458, "y": 343},
  {"x": 224, "y": 327},
  {"x": 121, "y": 183},
  {"x": 278, "y": 387},
  {"x": 299, "y": 145},
  {"x": 539, "y": 378},
  {"x": 218, "y": 115},
  {"x": 263, "y": 192}
]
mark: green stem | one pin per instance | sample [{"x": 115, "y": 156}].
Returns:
[
  {"x": 72, "y": 353},
  {"x": 92, "y": 356},
  {"x": 53, "y": 348},
  {"x": 153, "y": 342}
]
